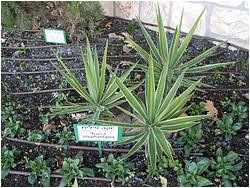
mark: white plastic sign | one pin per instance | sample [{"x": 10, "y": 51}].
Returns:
[
  {"x": 55, "y": 36},
  {"x": 95, "y": 132}
]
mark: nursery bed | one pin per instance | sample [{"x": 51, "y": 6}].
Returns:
[{"x": 30, "y": 82}]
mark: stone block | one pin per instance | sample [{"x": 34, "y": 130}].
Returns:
[
  {"x": 107, "y": 7},
  {"x": 127, "y": 9},
  {"x": 231, "y": 23},
  {"x": 190, "y": 15}
]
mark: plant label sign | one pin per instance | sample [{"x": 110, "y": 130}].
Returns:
[
  {"x": 97, "y": 132},
  {"x": 55, "y": 36}
]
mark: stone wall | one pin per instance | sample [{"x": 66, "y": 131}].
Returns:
[{"x": 225, "y": 20}]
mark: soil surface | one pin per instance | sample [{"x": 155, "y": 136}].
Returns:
[{"x": 19, "y": 75}]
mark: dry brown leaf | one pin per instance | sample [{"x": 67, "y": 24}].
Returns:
[
  {"x": 138, "y": 76},
  {"x": 48, "y": 126},
  {"x": 108, "y": 25},
  {"x": 126, "y": 34},
  {"x": 126, "y": 48},
  {"x": 54, "y": 13},
  {"x": 209, "y": 107},
  {"x": 183, "y": 115},
  {"x": 78, "y": 115},
  {"x": 59, "y": 161},
  {"x": 246, "y": 95},
  {"x": 109, "y": 66},
  {"x": 36, "y": 27},
  {"x": 115, "y": 36},
  {"x": 125, "y": 62},
  {"x": 15, "y": 45}
]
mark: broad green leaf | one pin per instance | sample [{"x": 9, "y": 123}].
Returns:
[
  {"x": 150, "y": 92},
  {"x": 131, "y": 98},
  {"x": 137, "y": 146},
  {"x": 152, "y": 149},
  {"x": 181, "y": 120},
  {"x": 129, "y": 113},
  {"x": 187, "y": 39},
  {"x": 200, "y": 57},
  {"x": 178, "y": 127},
  {"x": 120, "y": 124},
  {"x": 208, "y": 67},
  {"x": 162, "y": 141},
  {"x": 103, "y": 71},
  {"x": 150, "y": 42},
  {"x": 131, "y": 139},
  {"x": 171, "y": 94}
]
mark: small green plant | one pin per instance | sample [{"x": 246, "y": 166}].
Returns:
[
  {"x": 13, "y": 128},
  {"x": 39, "y": 167},
  {"x": 240, "y": 83},
  {"x": 8, "y": 160},
  {"x": 35, "y": 136},
  {"x": 162, "y": 166},
  {"x": 227, "y": 127},
  {"x": 100, "y": 97},
  {"x": 193, "y": 174},
  {"x": 65, "y": 136},
  {"x": 197, "y": 109},
  {"x": 158, "y": 115},
  {"x": 191, "y": 139},
  {"x": 72, "y": 168},
  {"x": 132, "y": 26},
  {"x": 115, "y": 168},
  {"x": 239, "y": 111},
  {"x": 217, "y": 75},
  {"x": 226, "y": 103},
  {"x": 225, "y": 166},
  {"x": 174, "y": 54},
  {"x": 9, "y": 111}
]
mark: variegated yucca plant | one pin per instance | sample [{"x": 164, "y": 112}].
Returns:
[
  {"x": 174, "y": 54},
  {"x": 158, "y": 115},
  {"x": 100, "y": 97}
]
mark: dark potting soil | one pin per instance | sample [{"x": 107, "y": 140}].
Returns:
[{"x": 235, "y": 78}]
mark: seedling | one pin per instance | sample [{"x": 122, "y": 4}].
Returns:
[
  {"x": 13, "y": 128},
  {"x": 38, "y": 168},
  {"x": 8, "y": 160},
  {"x": 191, "y": 139},
  {"x": 117, "y": 169},
  {"x": 227, "y": 127},
  {"x": 35, "y": 136},
  {"x": 193, "y": 174},
  {"x": 72, "y": 168},
  {"x": 65, "y": 136},
  {"x": 225, "y": 167}
]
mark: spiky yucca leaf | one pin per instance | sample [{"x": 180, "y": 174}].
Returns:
[
  {"x": 100, "y": 97},
  {"x": 174, "y": 55},
  {"x": 156, "y": 120}
]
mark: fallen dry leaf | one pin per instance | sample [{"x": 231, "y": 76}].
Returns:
[
  {"x": 108, "y": 25},
  {"x": 126, "y": 34},
  {"x": 59, "y": 161},
  {"x": 126, "y": 48},
  {"x": 125, "y": 62},
  {"x": 48, "y": 126},
  {"x": 246, "y": 95},
  {"x": 209, "y": 107},
  {"x": 109, "y": 66},
  {"x": 138, "y": 76},
  {"x": 115, "y": 36},
  {"x": 78, "y": 115},
  {"x": 183, "y": 115},
  {"x": 36, "y": 27}
]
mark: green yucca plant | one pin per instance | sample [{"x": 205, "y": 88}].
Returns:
[
  {"x": 100, "y": 96},
  {"x": 159, "y": 114},
  {"x": 174, "y": 55}
]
